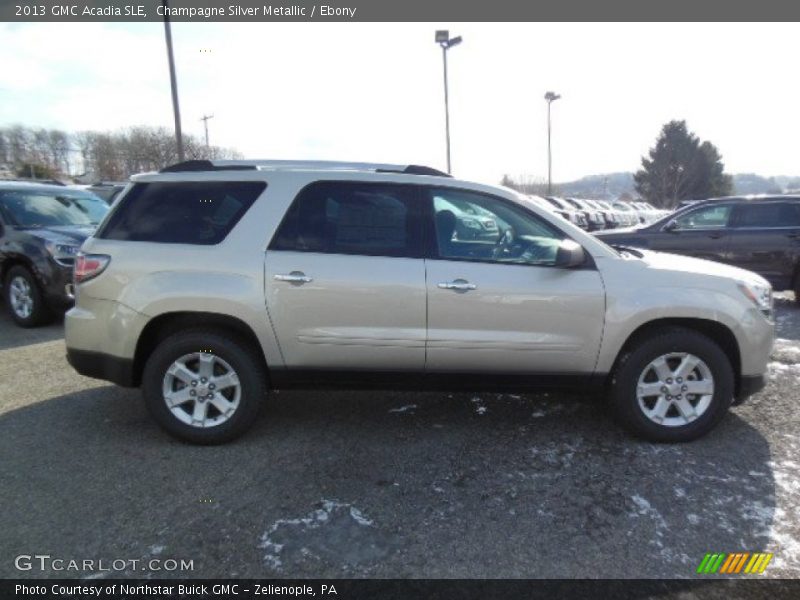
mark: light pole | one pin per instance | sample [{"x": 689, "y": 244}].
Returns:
[
  {"x": 446, "y": 42},
  {"x": 173, "y": 81},
  {"x": 550, "y": 97},
  {"x": 205, "y": 119}
]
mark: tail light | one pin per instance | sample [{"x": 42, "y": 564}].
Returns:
[{"x": 89, "y": 266}]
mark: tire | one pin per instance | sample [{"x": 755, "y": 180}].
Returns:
[
  {"x": 24, "y": 299},
  {"x": 635, "y": 375},
  {"x": 242, "y": 400}
]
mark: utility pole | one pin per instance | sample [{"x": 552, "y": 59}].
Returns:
[
  {"x": 173, "y": 81},
  {"x": 205, "y": 119}
]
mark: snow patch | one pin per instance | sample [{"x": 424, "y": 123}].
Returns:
[
  {"x": 273, "y": 542},
  {"x": 479, "y": 406}
]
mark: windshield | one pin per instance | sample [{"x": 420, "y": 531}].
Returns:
[{"x": 46, "y": 208}]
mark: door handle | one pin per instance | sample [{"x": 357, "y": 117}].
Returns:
[
  {"x": 460, "y": 285},
  {"x": 715, "y": 236},
  {"x": 294, "y": 277}
]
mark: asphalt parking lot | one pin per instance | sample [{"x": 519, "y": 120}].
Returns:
[{"x": 383, "y": 484}]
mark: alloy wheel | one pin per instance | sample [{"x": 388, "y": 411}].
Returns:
[
  {"x": 21, "y": 297},
  {"x": 201, "y": 389},
  {"x": 675, "y": 389}
]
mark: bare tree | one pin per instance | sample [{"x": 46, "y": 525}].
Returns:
[
  {"x": 101, "y": 155},
  {"x": 528, "y": 184}
]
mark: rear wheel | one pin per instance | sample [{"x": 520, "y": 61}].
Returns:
[
  {"x": 674, "y": 386},
  {"x": 204, "y": 386},
  {"x": 24, "y": 299}
]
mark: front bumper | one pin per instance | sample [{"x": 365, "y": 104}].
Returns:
[{"x": 56, "y": 280}]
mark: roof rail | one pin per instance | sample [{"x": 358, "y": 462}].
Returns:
[
  {"x": 241, "y": 165},
  {"x": 203, "y": 165}
]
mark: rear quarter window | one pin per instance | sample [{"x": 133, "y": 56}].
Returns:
[{"x": 200, "y": 213}]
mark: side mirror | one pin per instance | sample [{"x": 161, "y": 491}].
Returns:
[
  {"x": 569, "y": 255},
  {"x": 671, "y": 225}
]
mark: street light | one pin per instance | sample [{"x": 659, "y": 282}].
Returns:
[
  {"x": 550, "y": 97},
  {"x": 446, "y": 42}
]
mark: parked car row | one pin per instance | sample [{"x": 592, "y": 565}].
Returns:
[{"x": 599, "y": 215}]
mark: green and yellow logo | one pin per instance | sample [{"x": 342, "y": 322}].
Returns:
[{"x": 732, "y": 564}]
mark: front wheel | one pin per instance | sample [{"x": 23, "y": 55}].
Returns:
[
  {"x": 204, "y": 386},
  {"x": 24, "y": 299},
  {"x": 674, "y": 386}
]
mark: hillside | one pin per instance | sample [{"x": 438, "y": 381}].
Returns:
[{"x": 612, "y": 185}]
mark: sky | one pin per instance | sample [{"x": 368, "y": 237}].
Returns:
[{"x": 374, "y": 92}]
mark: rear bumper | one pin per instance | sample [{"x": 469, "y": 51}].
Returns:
[
  {"x": 749, "y": 385},
  {"x": 102, "y": 366}
]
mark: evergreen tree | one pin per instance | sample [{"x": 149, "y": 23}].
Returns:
[{"x": 681, "y": 167}]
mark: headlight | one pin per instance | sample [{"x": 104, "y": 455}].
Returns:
[
  {"x": 63, "y": 254},
  {"x": 760, "y": 295}
]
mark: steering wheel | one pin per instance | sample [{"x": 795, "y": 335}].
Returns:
[{"x": 504, "y": 243}]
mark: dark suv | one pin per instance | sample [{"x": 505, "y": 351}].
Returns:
[
  {"x": 757, "y": 233},
  {"x": 41, "y": 228}
]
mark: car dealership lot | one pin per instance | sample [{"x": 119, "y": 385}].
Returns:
[{"x": 385, "y": 484}]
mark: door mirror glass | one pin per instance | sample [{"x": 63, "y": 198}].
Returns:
[{"x": 569, "y": 255}]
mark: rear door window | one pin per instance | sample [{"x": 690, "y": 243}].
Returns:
[
  {"x": 339, "y": 217},
  {"x": 199, "y": 213}
]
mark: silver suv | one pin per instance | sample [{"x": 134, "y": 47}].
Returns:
[{"x": 211, "y": 283}]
